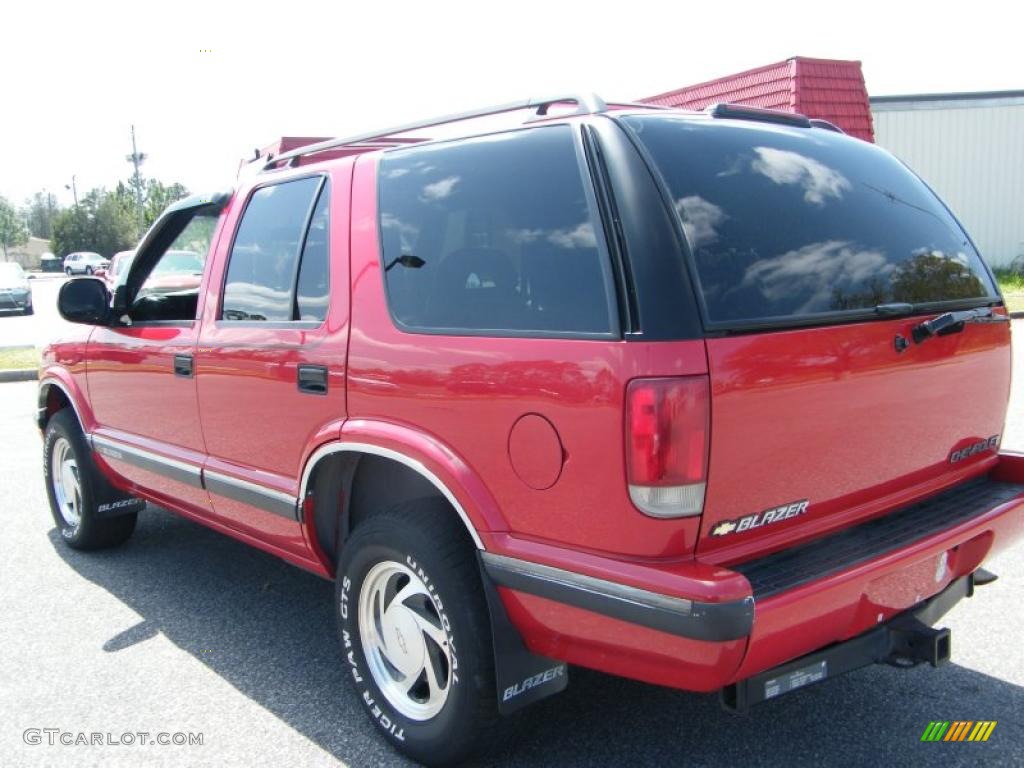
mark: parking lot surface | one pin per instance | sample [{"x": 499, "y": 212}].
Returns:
[{"x": 183, "y": 630}]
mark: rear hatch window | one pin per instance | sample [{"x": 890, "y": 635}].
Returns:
[{"x": 791, "y": 226}]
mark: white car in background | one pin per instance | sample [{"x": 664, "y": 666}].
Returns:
[{"x": 84, "y": 263}]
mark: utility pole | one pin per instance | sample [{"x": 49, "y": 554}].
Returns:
[
  {"x": 136, "y": 158},
  {"x": 74, "y": 189}
]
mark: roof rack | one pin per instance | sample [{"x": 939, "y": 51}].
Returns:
[
  {"x": 586, "y": 104},
  {"x": 745, "y": 112},
  {"x": 828, "y": 126}
]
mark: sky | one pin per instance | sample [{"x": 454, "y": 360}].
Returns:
[{"x": 206, "y": 83}]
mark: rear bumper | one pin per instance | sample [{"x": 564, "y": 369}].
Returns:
[
  {"x": 907, "y": 640},
  {"x": 701, "y": 627}
]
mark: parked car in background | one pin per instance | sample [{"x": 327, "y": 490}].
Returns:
[
  {"x": 50, "y": 262},
  {"x": 15, "y": 291},
  {"x": 84, "y": 263},
  {"x": 176, "y": 271},
  {"x": 119, "y": 263}
]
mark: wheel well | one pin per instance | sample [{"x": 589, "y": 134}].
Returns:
[
  {"x": 348, "y": 487},
  {"x": 51, "y": 400}
]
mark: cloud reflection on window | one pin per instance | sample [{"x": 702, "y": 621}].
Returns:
[
  {"x": 580, "y": 236},
  {"x": 700, "y": 218},
  {"x": 816, "y": 271},
  {"x": 784, "y": 167},
  {"x": 439, "y": 190}
]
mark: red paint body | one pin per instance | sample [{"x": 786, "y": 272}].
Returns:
[{"x": 830, "y": 414}]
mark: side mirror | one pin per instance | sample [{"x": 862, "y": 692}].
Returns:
[{"x": 84, "y": 300}]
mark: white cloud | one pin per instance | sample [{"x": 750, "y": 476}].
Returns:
[
  {"x": 785, "y": 167},
  {"x": 580, "y": 237},
  {"x": 440, "y": 189},
  {"x": 815, "y": 271},
  {"x": 699, "y": 218}
]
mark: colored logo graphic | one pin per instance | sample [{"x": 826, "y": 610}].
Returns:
[{"x": 958, "y": 730}]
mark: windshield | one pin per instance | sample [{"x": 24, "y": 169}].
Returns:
[
  {"x": 120, "y": 262},
  {"x": 11, "y": 273},
  {"x": 789, "y": 223},
  {"x": 177, "y": 263}
]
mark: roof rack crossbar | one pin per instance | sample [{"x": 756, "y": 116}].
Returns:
[{"x": 586, "y": 104}]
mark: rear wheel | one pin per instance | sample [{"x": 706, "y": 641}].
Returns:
[
  {"x": 71, "y": 478},
  {"x": 28, "y": 308},
  {"x": 415, "y": 632}
]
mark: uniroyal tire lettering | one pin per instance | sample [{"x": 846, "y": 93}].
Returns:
[{"x": 446, "y": 625}]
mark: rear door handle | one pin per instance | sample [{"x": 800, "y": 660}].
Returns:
[
  {"x": 183, "y": 366},
  {"x": 312, "y": 379}
]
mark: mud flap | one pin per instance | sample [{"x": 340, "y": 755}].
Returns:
[
  {"x": 522, "y": 677},
  {"x": 110, "y": 501}
]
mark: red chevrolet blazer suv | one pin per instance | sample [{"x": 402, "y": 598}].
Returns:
[{"x": 709, "y": 400}]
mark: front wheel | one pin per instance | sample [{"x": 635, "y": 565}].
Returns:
[
  {"x": 88, "y": 270},
  {"x": 71, "y": 480},
  {"x": 415, "y": 633},
  {"x": 68, "y": 271}
]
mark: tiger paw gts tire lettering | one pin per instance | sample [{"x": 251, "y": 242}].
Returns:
[{"x": 414, "y": 632}]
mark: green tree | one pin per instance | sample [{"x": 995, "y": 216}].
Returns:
[
  {"x": 101, "y": 223},
  {"x": 39, "y": 212},
  {"x": 158, "y": 196},
  {"x": 932, "y": 275},
  {"x": 12, "y": 229}
]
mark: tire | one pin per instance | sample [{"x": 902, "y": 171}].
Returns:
[
  {"x": 29, "y": 310},
  {"x": 88, "y": 270},
  {"x": 419, "y": 547},
  {"x": 71, "y": 479}
]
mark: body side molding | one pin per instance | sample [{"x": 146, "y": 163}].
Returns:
[
  {"x": 181, "y": 471},
  {"x": 714, "y": 622},
  {"x": 258, "y": 496},
  {"x": 261, "y": 497}
]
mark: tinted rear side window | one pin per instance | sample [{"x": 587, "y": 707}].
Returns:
[
  {"x": 311, "y": 292},
  {"x": 264, "y": 256},
  {"x": 494, "y": 234},
  {"x": 789, "y": 223}
]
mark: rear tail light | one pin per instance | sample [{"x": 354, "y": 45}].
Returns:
[{"x": 667, "y": 422}]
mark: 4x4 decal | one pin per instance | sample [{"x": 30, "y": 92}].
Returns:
[{"x": 758, "y": 519}]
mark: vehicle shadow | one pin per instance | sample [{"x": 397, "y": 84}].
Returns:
[{"x": 273, "y": 630}]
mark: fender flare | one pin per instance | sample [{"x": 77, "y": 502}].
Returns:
[
  {"x": 71, "y": 392},
  {"x": 428, "y": 457}
]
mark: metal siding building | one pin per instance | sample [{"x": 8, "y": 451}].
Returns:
[{"x": 970, "y": 148}]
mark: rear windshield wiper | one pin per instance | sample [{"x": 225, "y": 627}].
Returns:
[{"x": 953, "y": 322}]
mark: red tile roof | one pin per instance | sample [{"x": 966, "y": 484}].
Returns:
[{"x": 829, "y": 89}]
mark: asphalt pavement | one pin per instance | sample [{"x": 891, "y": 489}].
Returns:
[{"x": 185, "y": 631}]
